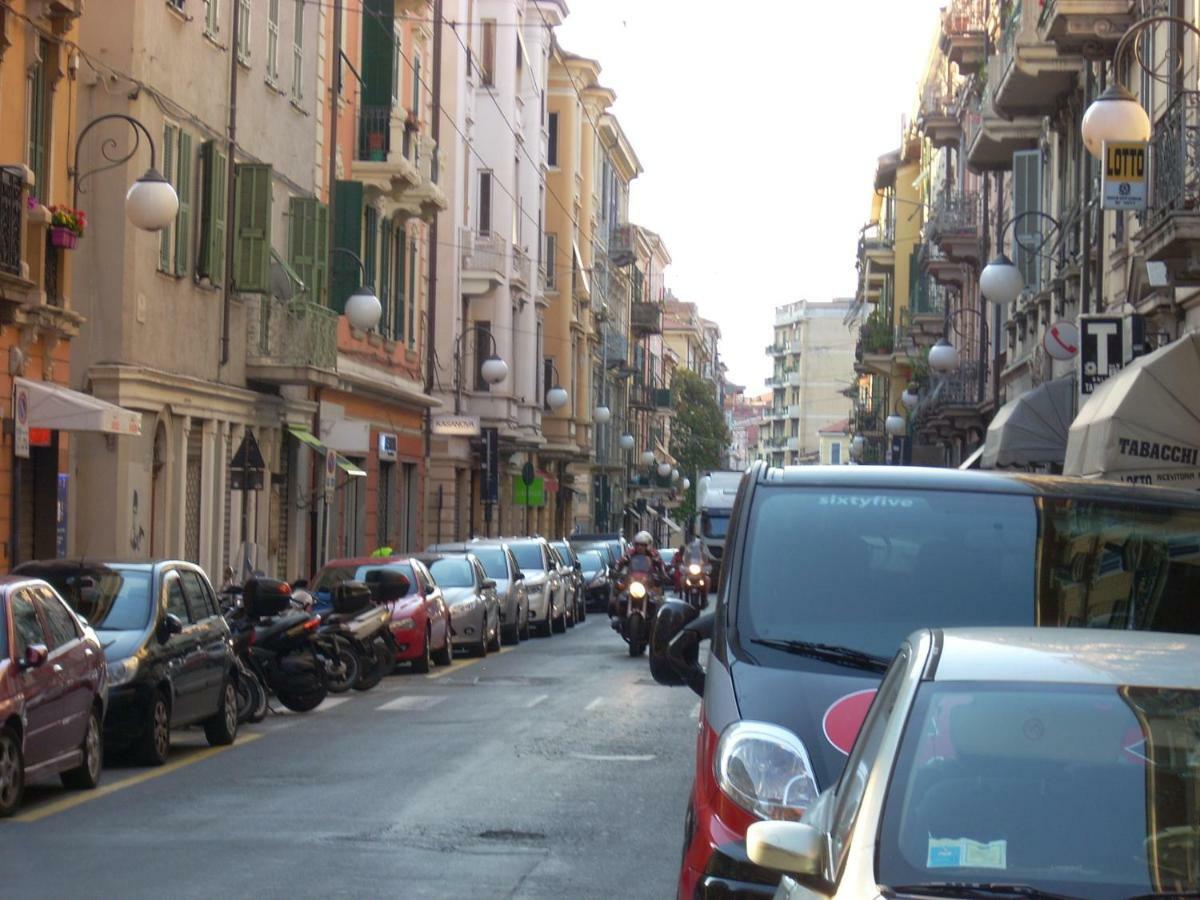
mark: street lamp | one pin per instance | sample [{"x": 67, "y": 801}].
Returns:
[
  {"x": 1001, "y": 281},
  {"x": 910, "y": 398},
  {"x": 858, "y": 446},
  {"x": 626, "y": 441},
  {"x": 674, "y": 474},
  {"x": 1116, "y": 115},
  {"x": 664, "y": 469},
  {"x": 687, "y": 483},
  {"x": 895, "y": 425},
  {"x": 363, "y": 309},
  {"x": 647, "y": 457},
  {"x": 557, "y": 396},
  {"x": 602, "y": 414},
  {"x": 493, "y": 370},
  {"x": 150, "y": 203},
  {"x": 943, "y": 358}
]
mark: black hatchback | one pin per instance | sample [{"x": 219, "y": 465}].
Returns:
[
  {"x": 170, "y": 659},
  {"x": 829, "y": 569}
]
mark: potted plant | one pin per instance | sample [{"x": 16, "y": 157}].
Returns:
[{"x": 66, "y": 226}]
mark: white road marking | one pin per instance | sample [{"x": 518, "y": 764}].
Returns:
[
  {"x": 615, "y": 757},
  {"x": 536, "y": 700},
  {"x": 410, "y": 703},
  {"x": 595, "y": 704}
]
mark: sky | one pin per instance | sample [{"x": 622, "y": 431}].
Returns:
[{"x": 759, "y": 135}]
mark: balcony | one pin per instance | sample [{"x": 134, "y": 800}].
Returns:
[
  {"x": 868, "y": 419},
  {"x": 878, "y": 251},
  {"x": 521, "y": 268},
  {"x": 425, "y": 197},
  {"x": 12, "y": 187},
  {"x": 290, "y": 342},
  {"x": 992, "y": 139},
  {"x": 621, "y": 245},
  {"x": 1076, "y": 26},
  {"x": 385, "y": 153},
  {"x": 645, "y": 318},
  {"x": 955, "y": 226},
  {"x": 964, "y": 31},
  {"x": 878, "y": 344},
  {"x": 925, "y": 317},
  {"x": 615, "y": 346},
  {"x": 1035, "y": 75},
  {"x": 938, "y": 118},
  {"x": 484, "y": 260},
  {"x": 1172, "y": 222}
]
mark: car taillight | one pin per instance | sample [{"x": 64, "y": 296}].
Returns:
[{"x": 765, "y": 770}]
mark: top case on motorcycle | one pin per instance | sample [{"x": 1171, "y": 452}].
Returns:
[{"x": 265, "y": 597}]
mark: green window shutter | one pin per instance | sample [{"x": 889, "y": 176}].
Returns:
[
  {"x": 1028, "y": 231},
  {"x": 302, "y": 244},
  {"x": 385, "y": 277},
  {"x": 401, "y": 282},
  {"x": 252, "y": 250},
  {"x": 165, "y": 245},
  {"x": 319, "y": 291},
  {"x": 370, "y": 252},
  {"x": 183, "y": 220},
  {"x": 347, "y": 235},
  {"x": 412, "y": 293},
  {"x": 214, "y": 166}
]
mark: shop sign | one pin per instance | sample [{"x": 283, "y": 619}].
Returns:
[
  {"x": 453, "y": 425},
  {"x": 1102, "y": 350},
  {"x": 1061, "y": 341},
  {"x": 1123, "y": 176}
]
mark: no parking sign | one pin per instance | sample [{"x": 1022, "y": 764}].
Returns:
[{"x": 21, "y": 418}]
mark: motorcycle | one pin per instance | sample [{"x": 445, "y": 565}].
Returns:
[
  {"x": 251, "y": 692},
  {"x": 279, "y": 645},
  {"x": 361, "y": 624},
  {"x": 695, "y": 581},
  {"x": 638, "y": 604}
]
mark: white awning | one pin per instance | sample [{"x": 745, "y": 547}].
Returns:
[
  {"x": 62, "y": 409},
  {"x": 972, "y": 461},
  {"x": 1032, "y": 429}
]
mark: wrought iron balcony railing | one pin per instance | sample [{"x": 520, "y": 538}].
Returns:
[
  {"x": 11, "y": 187},
  {"x": 293, "y": 334},
  {"x": 955, "y": 213},
  {"x": 374, "y": 133},
  {"x": 1175, "y": 160}
]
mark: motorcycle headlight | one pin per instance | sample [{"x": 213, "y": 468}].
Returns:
[
  {"x": 765, "y": 770},
  {"x": 122, "y": 671},
  {"x": 637, "y": 590},
  {"x": 405, "y": 624},
  {"x": 693, "y": 569}
]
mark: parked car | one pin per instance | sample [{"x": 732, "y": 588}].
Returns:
[
  {"x": 420, "y": 620},
  {"x": 829, "y": 569},
  {"x": 471, "y": 596},
  {"x": 574, "y": 574},
  {"x": 170, "y": 657},
  {"x": 1031, "y": 762},
  {"x": 597, "y": 578},
  {"x": 543, "y": 584},
  {"x": 614, "y": 544},
  {"x": 500, "y": 565},
  {"x": 53, "y": 685}
]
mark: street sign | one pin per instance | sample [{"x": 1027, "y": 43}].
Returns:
[
  {"x": 452, "y": 425},
  {"x": 247, "y": 468},
  {"x": 1123, "y": 175},
  {"x": 21, "y": 420},
  {"x": 1061, "y": 341},
  {"x": 1102, "y": 350},
  {"x": 330, "y": 474},
  {"x": 489, "y": 490}
]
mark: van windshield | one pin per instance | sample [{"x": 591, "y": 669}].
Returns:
[
  {"x": 820, "y": 564},
  {"x": 715, "y": 524}
]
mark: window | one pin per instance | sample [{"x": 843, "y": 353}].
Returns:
[
  {"x": 485, "y": 202},
  {"x": 308, "y": 237},
  {"x": 176, "y": 602},
  {"x": 412, "y": 293},
  {"x": 550, "y": 262},
  {"x": 252, "y": 247},
  {"x": 273, "y": 41},
  {"x": 27, "y": 628},
  {"x": 487, "y": 62},
  {"x": 483, "y": 349},
  {"x": 416, "y": 87},
  {"x": 401, "y": 277},
  {"x": 298, "y": 52},
  {"x": 212, "y": 17},
  {"x": 370, "y": 248},
  {"x": 199, "y": 603},
  {"x": 552, "y": 145},
  {"x": 835, "y": 453},
  {"x": 175, "y": 4},
  {"x": 385, "y": 508},
  {"x": 59, "y": 620},
  {"x": 214, "y": 173},
  {"x": 243, "y": 44},
  {"x": 166, "y": 237},
  {"x": 183, "y": 218},
  {"x": 40, "y": 106}
]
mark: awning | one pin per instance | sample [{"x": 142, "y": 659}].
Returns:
[
  {"x": 1032, "y": 429},
  {"x": 56, "y": 407},
  {"x": 1143, "y": 424},
  {"x": 972, "y": 461},
  {"x": 304, "y": 436}
]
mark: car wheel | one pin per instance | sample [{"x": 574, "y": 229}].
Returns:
[
  {"x": 86, "y": 775},
  {"x": 560, "y": 624},
  {"x": 581, "y": 611},
  {"x": 424, "y": 662},
  {"x": 494, "y": 644},
  {"x": 510, "y": 634},
  {"x": 569, "y": 614},
  {"x": 480, "y": 647},
  {"x": 524, "y": 626},
  {"x": 155, "y": 742},
  {"x": 12, "y": 772},
  {"x": 445, "y": 656},
  {"x": 221, "y": 729}
]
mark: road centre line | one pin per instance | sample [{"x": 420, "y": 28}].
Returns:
[
  {"x": 78, "y": 799},
  {"x": 413, "y": 702}
]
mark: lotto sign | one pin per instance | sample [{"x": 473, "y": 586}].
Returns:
[
  {"x": 1123, "y": 177},
  {"x": 21, "y": 419}
]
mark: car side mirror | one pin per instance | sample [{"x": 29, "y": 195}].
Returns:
[
  {"x": 793, "y": 847},
  {"x": 675, "y": 645},
  {"x": 170, "y": 625},
  {"x": 35, "y": 655},
  {"x": 489, "y": 584}
]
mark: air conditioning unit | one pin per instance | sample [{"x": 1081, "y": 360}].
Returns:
[{"x": 387, "y": 447}]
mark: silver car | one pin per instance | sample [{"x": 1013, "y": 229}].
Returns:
[
  {"x": 501, "y": 566},
  {"x": 1034, "y": 762},
  {"x": 471, "y": 598},
  {"x": 543, "y": 584},
  {"x": 572, "y": 572}
]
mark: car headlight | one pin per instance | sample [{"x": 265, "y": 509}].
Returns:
[
  {"x": 765, "y": 770},
  {"x": 694, "y": 569},
  {"x": 637, "y": 590},
  {"x": 405, "y": 624},
  {"x": 122, "y": 671}
]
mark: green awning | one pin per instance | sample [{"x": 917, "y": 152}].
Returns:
[{"x": 304, "y": 436}]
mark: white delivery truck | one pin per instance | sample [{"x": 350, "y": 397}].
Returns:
[{"x": 715, "y": 493}]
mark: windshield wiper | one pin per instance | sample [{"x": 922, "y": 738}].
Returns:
[
  {"x": 971, "y": 889},
  {"x": 834, "y": 653}
]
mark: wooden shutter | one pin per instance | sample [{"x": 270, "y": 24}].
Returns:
[
  {"x": 252, "y": 250},
  {"x": 552, "y": 144},
  {"x": 370, "y": 254},
  {"x": 412, "y": 293},
  {"x": 211, "y": 262},
  {"x": 319, "y": 292},
  {"x": 1028, "y": 232},
  {"x": 348, "y": 211},
  {"x": 165, "y": 246},
  {"x": 401, "y": 281},
  {"x": 485, "y": 203},
  {"x": 183, "y": 220},
  {"x": 302, "y": 239},
  {"x": 386, "y": 324}
]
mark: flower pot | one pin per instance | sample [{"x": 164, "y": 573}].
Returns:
[{"x": 64, "y": 238}]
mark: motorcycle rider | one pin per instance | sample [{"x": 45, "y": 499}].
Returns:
[{"x": 643, "y": 545}]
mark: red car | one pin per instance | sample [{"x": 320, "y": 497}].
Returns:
[
  {"x": 420, "y": 619},
  {"x": 53, "y": 685}
]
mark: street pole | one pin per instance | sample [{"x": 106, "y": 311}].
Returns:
[
  {"x": 335, "y": 91},
  {"x": 230, "y": 186},
  {"x": 435, "y": 133}
]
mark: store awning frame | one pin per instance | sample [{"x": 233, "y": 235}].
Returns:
[
  {"x": 972, "y": 461},
  {"x": 59, "y": 408},
  {"x": 306, "y": 437},
  {"x": 1031, "y": 430}
]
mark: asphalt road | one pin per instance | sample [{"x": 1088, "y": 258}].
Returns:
[{"x": 554, "y": 769}]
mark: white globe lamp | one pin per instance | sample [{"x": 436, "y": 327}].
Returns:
[
  {"x": 556, "y": 397},
  {"x": 910, "y": 398},
  {"x": 674, "y": 474},
  {"x": 895, "y": 425},
  {"x": 1114, "y": 116},
  {"x": 647, "y": 457},
  {"x": 626, "y": 441},
  {"x": 1001, "y": 281},
  {"x": 687, "y": 483},
  {"x": 664, "y": 469},
  {"x": 363, "y": 309},
  {"x": 494, "y": 370},
  {"x": 602, "y": 414},
  {"x": 943, "y": 358},
  {"x": 151, "y": 203}
]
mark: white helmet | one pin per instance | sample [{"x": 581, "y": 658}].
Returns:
[{"x": 642, "y": 538}]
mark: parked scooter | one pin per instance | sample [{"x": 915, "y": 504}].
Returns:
[
  {"x": 279, "y": 644},
  {"x": 357, "y": 621},
  {"x": 638, "y": 604}
]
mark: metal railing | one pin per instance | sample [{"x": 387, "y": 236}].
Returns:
[
  {"x": 292, "y": 333},
  {"x": 956, "y": 213},
  {"x": 484, "y": 252},
  {"x": 877, "y": 336},
  {"x": 645, "y": 318},
  {"x": 11, "y": 189},
  {"x": 1175, "y": 160},
  {"x": 522, "y": 266},
  {"x": 927, "y": 299},
  {"x": 965, "y": 386},
  {"x": 963, "y": 17},
  {"x": 616, "y": 346},
  {"x": 374, "y": 133}
]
